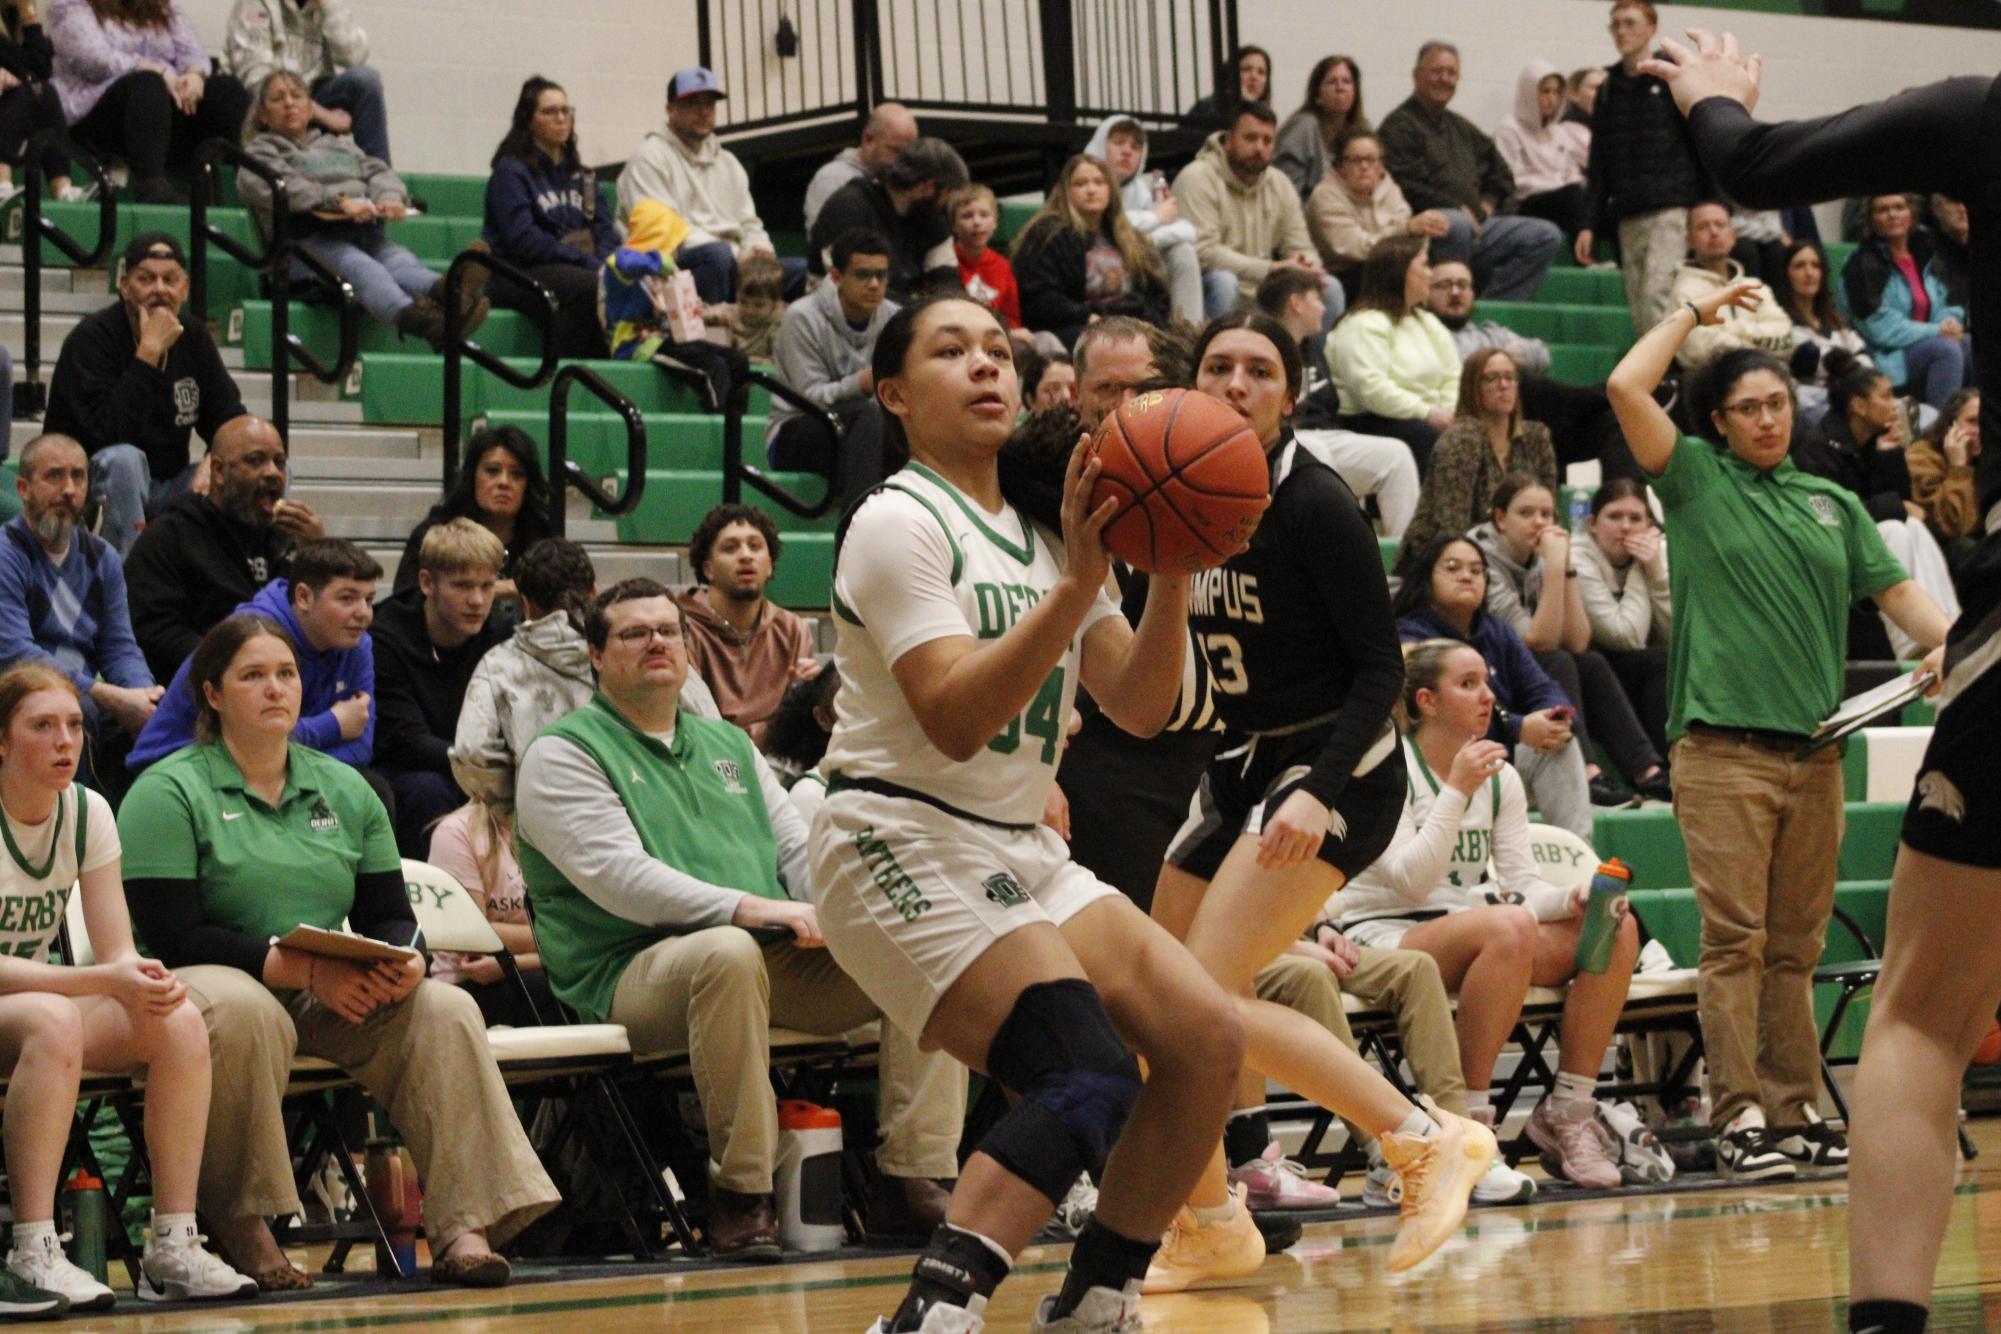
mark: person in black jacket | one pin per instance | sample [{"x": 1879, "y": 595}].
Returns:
[
  {"x": 29, "y": 104},
  {"x": 205, "y": 554},
  {"x": 1079, "y": 258},
  {"x": 1643, "y": 174},
  {"x": 133, "y": 382},
  {"x": 501, "y": 488},
  {"x": 907, "y": 203},
  {"x": 546, "y": 214},
  {"x": 427, "y": 642}
]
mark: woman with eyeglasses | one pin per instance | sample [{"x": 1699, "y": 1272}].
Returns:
[
  {"x": 1488, "y": 439},
  {"x": 546, "y": 214},
  {"x": 1357, "y": 204},
  {"x": 1767, "y": 561}
]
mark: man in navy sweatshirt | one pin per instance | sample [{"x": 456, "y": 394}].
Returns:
[{"x": 62, "y": 599}]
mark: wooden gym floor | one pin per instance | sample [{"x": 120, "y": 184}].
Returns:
[{"x": 1749, "y": 1259}]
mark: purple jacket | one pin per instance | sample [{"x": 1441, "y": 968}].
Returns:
[{"x": 91, "y": 56}]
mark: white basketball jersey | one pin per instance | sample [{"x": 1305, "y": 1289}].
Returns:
[{"x": 922, "y": 561}]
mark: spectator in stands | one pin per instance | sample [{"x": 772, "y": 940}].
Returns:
[
  {"x": 62, "y": 602},
  {"x": 1952, "y": 235},
  {"x": 884, "y": 134},
  {"x": 475, "y": 846},
  {"x": 133, "y": 382},
  {"x": 1579, "y": 417},
  {"x": 339, "y": 198},
  {"x": 1622, "y": 578},
  {"x": 823, "y": 349},
  {"x": 1050, "y": 383},
  {"x": 207, "y": 553},
  {"x": 502, "y": 489},
  {"x": 795, "y": 741},
  {"x": 325, "y": 609},
  {"x": 1584, "y": 86},
  {"x": 1490, "y": 439},
  {"x": 229, "y": 845},
  {"x": 1461, "y": 884},
  {"x": 1444, "y": 596},
  {"x": 115, "y": 1012},
  {"x": 1372, "y": 465},
  {"x": 1079, "y": 260},
  {"x": 1392, "y": 361},
  {"x": 1357, "y": 204},
  {"x": 1441, "y": 161},
  {"x": 1252, "y": 65},
  {"x": 1525, "y": 548},
  {"x": 906, "y": 203},
  {"x": 1120, "y": 143},
  {"x": 646, "y": 890},
  {"x": 1333, "y": 107},
  {"x": 1763, "y": 826},
  {"x": 136, "y": 84},
  {"x": 319, "y": 41},
  {"x": 983, "y": 270},
  {"x": 1763, "y": 324},
  {"x": 1247, "y": 217},
  {"x": 427, "y": 643},
  {"x": 745, "y": 647},
  {"x": 1941, "y": 465},
  {"x": 540, "y": 673},
  {"x": 1892, "y": 290},
  {"x": 547, "y": 215},
  {"x": 1643, "y": 174},
  {"x": 29, "y": 104},
  {"x": 1825, "y": 347},
  {"x": 683, "y": 165},
  {"x": 1545, "y": 151},
  {"x": 1859, "y": 445}
]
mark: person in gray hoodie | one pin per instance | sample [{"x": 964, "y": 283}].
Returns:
[
  {"x": 538, "y": 675},
  {"x": 1120, "y": 143},
  {"x": 338, "y": 198},
  {"x": 823, "y": 348}
]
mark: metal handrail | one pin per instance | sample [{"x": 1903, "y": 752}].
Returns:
[
  {"x": 458, "y": 347},
  {"x": 34, "y": 230},
  {"x": 275, "y": 262},
  {"x": 736, "y": 472},
  {"x": 565, "y": 472}
]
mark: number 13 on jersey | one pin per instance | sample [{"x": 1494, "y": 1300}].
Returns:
[{"x": 1042, "y": 719}]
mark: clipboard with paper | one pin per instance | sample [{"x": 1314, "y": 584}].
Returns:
[
  {"x": 343, "y": 945},
  {"x": 1858, "y": 711}
]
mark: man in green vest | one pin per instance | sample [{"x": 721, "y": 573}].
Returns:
[{"x": 662, "y": 857}]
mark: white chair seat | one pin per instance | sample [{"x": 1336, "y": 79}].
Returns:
[
  {"x": 558, "y": 1042},
  {"x": 1674, "y": 984}
]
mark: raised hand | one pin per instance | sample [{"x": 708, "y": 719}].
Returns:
[{"x": 1715, "y": 68}]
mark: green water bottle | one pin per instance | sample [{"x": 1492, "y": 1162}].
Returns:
[
  {"x": 1603, "y": 912},
  {"x": 89, "y": 1210}
]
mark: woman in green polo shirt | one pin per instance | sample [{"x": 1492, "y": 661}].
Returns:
[
  {"x": 1767, "y": 561},
  {"x": 232, "y": 842}
]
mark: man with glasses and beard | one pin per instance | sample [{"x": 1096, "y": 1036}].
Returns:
[
  {"x": 134, "y": 381},
  {"x": 214, "y": 547},
  {"x": 62, "y": 598}
]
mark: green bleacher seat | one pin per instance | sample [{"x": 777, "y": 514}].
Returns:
[
  {"x": 507, "y": 333},
  {"x": 1649, "y": 841},
  {"x": 1558, "y": 322},
  {"x": 676, "y": 499},
  {"x": 1388, "y": 547},
  {"x": 407, "y": 389},
  {"x": 1575, "y": 363},
  {"x": 1014, "y": 217},
  {"x": 674, "y": 440},
  {"x": 1587, "y": 287},
  {"x": 805, "y": 572},
  {"x": 446, "y": 195}
]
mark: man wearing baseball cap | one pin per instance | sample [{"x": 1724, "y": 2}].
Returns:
[
  {"x": 682, "y": 165},
  {"x": 134, "y": 381}
]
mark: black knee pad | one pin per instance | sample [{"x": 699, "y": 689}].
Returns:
[{"x": 1077, "y": 1084}]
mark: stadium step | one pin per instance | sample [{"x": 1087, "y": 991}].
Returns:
[{"x": 1649, "y": 841}]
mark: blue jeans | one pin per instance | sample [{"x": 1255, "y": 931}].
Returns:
[
  {"x": 1222, "y": 290},
  {"x": 386, "y": 276},
  {"x": 1513, "y": 252},
  {"x": 125, "y": 485},
  {"x": 713, "y": 264},
  {"x": 1938, "y": 368},
  {"x": 358, "y": 92}
]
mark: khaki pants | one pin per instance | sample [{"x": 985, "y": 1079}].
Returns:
[
  {"x": 1651, "y": 247},
  {"x": 717, "y": 993},
  {"x": 1404, "y": 982},
  {"x": 1764, "y": 845},
  {"x": 425, "y": 1059}
]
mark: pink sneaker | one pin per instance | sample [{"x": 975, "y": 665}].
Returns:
[
  {"x": 1277, "y": 1182},
  {"x": 1574, "y": 1147}
]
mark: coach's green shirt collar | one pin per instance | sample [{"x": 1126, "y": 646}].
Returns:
[{"x": 224, "y": 776}]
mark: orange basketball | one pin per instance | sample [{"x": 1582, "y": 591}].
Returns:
[{"x": 1190, "y": 477}]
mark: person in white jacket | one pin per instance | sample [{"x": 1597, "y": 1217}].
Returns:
[
  {"x": 1460, "y": 883},
  {"x": 319, "y": 41},
  {"x": 1621, "y": 561},
  {"x": 1120, "y": 143},
  {"x": 1709, "y": 268},
  {"x": 1394, "y": 363},
  {"x": 684, "y": 166},
  {"x": 1546, "y": 152}
]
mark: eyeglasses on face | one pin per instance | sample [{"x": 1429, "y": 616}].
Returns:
[
  {"x": 1750, "y": 409},
  {"x": 639, "y": 635}
]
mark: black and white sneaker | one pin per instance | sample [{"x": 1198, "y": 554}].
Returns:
[
  {"x": 1748, "y": 1152},
  {"x": 1816, "y": 1149}
]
